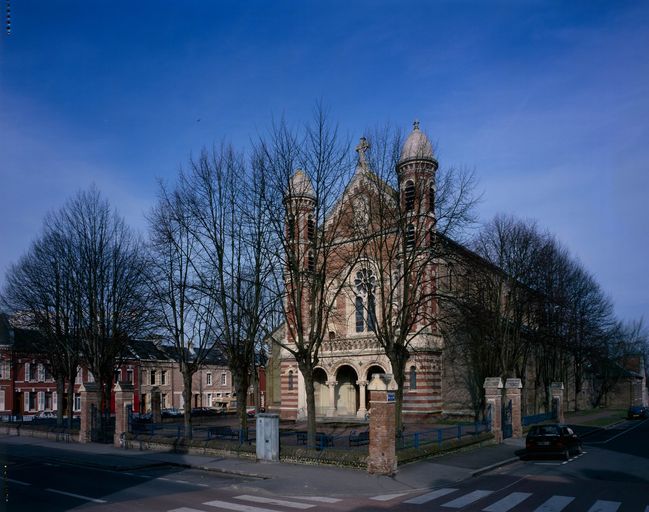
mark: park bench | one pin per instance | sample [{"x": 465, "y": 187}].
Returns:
[
  {"x": 359, "y": 438},
  {"x": 222, "y": 432}
]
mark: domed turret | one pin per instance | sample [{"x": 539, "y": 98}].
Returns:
[
  {"x": 301, "y": 186},
  {"x": 417, "y": 146}
]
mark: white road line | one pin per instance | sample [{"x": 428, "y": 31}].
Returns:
[
  {"x": 467, "y": 499},
  {"x": 388, "y": 497},
  {"x": 508, "y": 502},
  {"x": 16, "y": 481},
  {"x": 235, "y": 506},
  {"x": 272, "y": 501},
  {"x": 605, "y": 506},
  {"x": 555, "y": 504},
  {"x": 618, "y": 435},
  {"x": 320, "y": 499},
  {"x": 185, "y": 509},
  {"x": 425, "y": 498},
  {"x": 94, "y": 500}
]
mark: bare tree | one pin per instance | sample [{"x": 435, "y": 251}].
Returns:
[
  {"x": 407, "y": 214},
  {"x": 309, "y": 239},
  {"x": 184, "y": 312},
  {"x": 39, "y": 290}
]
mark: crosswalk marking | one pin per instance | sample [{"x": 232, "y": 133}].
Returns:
[
  {"x": 467, "y": 499},
  {"x": 236, "y": 506},
  {"x": 425, "y": 498},
  {"x": 508, "y": 502},
  {"x": 388, "y": 497},
  {"x": 605, "y": 506},
  {"x": 321, "y": 499},
  {"x": 555, "y": 504},
  {"x": 272, "y": 501}
]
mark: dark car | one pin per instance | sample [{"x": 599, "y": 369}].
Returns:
[
  {"x": 638, "y": 411},
  {"x": 553, "y": 439}
]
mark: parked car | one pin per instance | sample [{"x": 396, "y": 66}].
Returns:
[
  {"x": 638, "y": 411},
  {"x": 171, "y": 412},
  {"x": 552, "y": 439}
]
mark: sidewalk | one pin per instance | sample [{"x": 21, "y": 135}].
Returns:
[{"x": 300, "y": 479}]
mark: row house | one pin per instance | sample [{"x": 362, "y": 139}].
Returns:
[{"x": 27, "y": 387}]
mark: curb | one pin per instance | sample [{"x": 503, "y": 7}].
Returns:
[{"x": 499, "y": 464}]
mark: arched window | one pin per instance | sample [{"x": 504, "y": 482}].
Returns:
[
  {"x": 310, "y": 228},
  {"x": 431, "y": 197},
  {"x": 290, "y": 380},
  {"x": 291, "y": 227},
  {"x": 410, "y": 235},
  {"x": 413, "y": 377},
  {"x": 360, "y": 320},
  {"x": 410, "y": 195},
  {"x": 311, "y": 261},
  {"x": 371, "y": 312}
]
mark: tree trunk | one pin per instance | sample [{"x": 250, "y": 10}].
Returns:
[
  {"x": 307, "y": 374},
  {"x": 241, "y": 385},
  {"x": 60, "y": 392},
  {"x": 70, "y": 411},
  {"x": 187, "y": 395}
]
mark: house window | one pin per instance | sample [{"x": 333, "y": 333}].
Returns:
[
  {"x": 410, "y": 195},
  {"x": 224, "y": 379},
  {"x": 129, "y": 375},
  {"x": 48, "y": 374},
  {"x": 41, "y": 400},
  {"x": 41, "y": 373},
  {"x": 413, "y": 377},
  {"x": 77, "y": 402},
  {"x": 209, "y": 378},
  {"x": 164, "y": 401},
  {"x": 49, "y": 403},
  {"x": 4, "y": 369},
  {"x": 209, "y": 400},
  {"x": 290, "y": 380},
  {"x": 32, "y": 401},
  {"x": 118, "y": 375},
  {"x": 2, "y": 399},
  {"x": 163, "y": 377},
  {"x": 152, "y": 378}
]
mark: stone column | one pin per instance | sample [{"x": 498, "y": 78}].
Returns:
[
  {"x": 493, "y": 398},
  {"x": 156, "y": 413},
  {"x": 513, "y": 392},
  {"x": 331, "y": 409},
  {"x": 556, "y": 392},
  {"x": 362, "y": 409},
  {"x": 382, "y": 459},
  {"x": 123, "y": 401},
  {"x": 90, "y": 395}
]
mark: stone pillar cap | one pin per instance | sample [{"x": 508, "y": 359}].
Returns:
[
  {"x": 557, "y": 385},
  {"x": 89, "y": 387},
  {"x": 493, "y": 382},
  {"x": 513, "y": 384},
  {"x": 382, "y": 382}
]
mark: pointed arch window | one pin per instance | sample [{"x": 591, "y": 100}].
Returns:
[
  {"x": 371, "y": 312},
  {"x": 413, "y": 377},
  {"x": 310, "y": 228},
  {"x": 311, "y": 261},
  {"x": 360, "y": 314},
  {"x": 410, "y": 235},
  {"x": 409, "y": 195},
  {"x": 431, "y": 197},
  {"x": 291, "y": 384},
  {"x": 291, "y": 226}
]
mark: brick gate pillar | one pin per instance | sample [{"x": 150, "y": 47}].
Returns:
[
  {"x": 90, "y": 395},
  {"x": 513, "y": 392},
  {"x": 382, "y": 459},
  {"x": 556, "y": 392},
  {"x": 156, "y": 413},
  {"x": 123, "y": 400},
  {"x": 493, "y": 387}
]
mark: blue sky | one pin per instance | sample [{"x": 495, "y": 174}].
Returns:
[{"x": 547, "y": 101}]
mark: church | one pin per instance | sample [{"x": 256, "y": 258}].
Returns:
[{"x": 350, "y": 352}]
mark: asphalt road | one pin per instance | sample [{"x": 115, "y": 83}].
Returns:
[{"x": 612, "y": 475}]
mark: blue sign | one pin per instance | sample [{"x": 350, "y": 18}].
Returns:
[{"x": 391, "y": 396}]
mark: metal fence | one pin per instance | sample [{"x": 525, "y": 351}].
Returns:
[
  {"x": 537, "y": 418},
  {"x": 440, "y": 435}
]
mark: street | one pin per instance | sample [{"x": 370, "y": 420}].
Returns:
[{"x": 611, "y": 475}]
